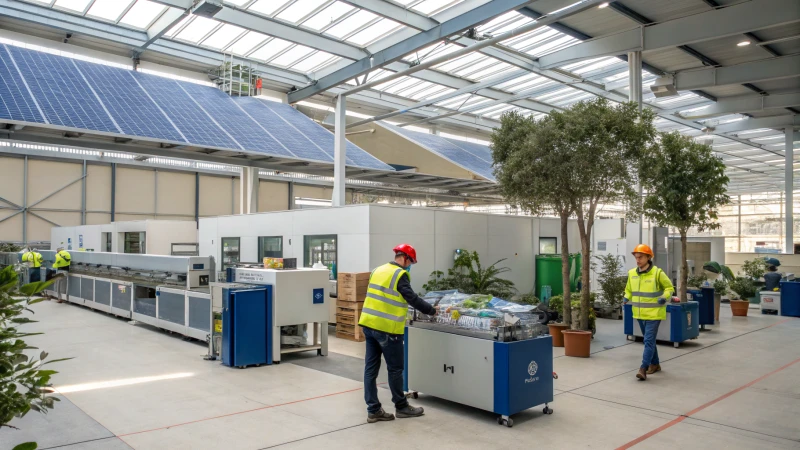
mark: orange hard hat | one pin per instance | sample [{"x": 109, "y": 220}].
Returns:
[
  {"x": 408, "y": 251},
  {"x": 641, "y": 248}
]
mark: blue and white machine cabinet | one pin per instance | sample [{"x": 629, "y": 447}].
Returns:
[
  {"x": 682, "y": 323},
  {"x": 246, "y": 325},
  {"x": 502, "y": 377}
]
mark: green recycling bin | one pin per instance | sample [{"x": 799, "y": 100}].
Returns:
[{"x": 548, "y": 273}]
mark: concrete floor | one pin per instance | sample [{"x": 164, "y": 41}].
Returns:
[{"x": 738, "y": 386}]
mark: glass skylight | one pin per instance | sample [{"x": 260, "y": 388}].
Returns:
[
  {"x": 197, "y": 29},
  {"x": 143, "y": 13},
  {"x": 299, "y": 10},
  {"x": 108, "y": 9},
  {"x": 290, "y": 57},
  {"x": 373, "y": 32},
  {"x": 312, "y": 62},
  {"x": 351, "y": 24},
  {"x": 178, "y": 26},
  {"x": 328, "y": 16},
  {"x": 268, "y": 6},
  {"x": 223, "y": 36},
  {"x": 430, "y": 7},
  {"x": 270, "y": 49},
  {"x": 247, "y": 43},
  {"x": 74, "y": 5}
]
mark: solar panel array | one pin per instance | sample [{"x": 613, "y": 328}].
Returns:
[
  {"x": 44, "y": 88},
  {"x": 474, "y": 157}
]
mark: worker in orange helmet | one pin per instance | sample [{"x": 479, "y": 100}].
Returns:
[
  {"x": 648, "y": 290},
  {"x": 383, "y": 318}
]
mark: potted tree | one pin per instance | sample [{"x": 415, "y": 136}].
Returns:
[
  {"x": 557, "y": 328},
  {"x": 742, "y": 288},
  {"x": 720, "y": 289},
  {"x": 611, "y": 279},
  {"x": 685, "y": 184},
  {"x": 754, "y": 269},
  {"x": 534, "y": 167}
]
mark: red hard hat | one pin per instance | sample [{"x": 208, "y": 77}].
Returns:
[{"x": 408, "y": 250}]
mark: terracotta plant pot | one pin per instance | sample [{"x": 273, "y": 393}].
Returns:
[
  {"x": 577, "y": 343},
  {"x": 740, "y": 307},
  {"x": 555, "y": 332}
]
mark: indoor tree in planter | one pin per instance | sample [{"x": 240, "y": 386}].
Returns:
[
  {"x": 534, "y": 168},
  {"x": 685, "y": 184},
  {"x": 742, "y": 288},
  {"x": 611, "y": 279}
]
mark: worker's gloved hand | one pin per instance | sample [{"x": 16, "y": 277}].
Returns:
[{"x": 662, "y": 301}]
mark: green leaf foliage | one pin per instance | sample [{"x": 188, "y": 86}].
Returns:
[
  {"x": 470, "y": 277},
  {"x": 26, "y": 446},
  {"x": 685, "y": 184},
  {"x": 24, "y": 385},
  {"x": 611, "y": 279}
]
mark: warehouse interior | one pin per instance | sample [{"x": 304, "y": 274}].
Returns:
[{"x": 229, "y": 178}]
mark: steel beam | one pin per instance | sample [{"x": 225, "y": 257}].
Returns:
[
  {"x": 716, "y": 23},
  {"x": 756, "y": 123},
  {"x": 551, "y": 18},
  {"x": 418, "y": 41},
  {"x": 750, "y": 72},
  {"x": 83, "y": 194},
  {"x": 340, "y": 152},
  {"x": 745, "y": 104},
  {"x": 25, "y": 202},
  {"x": 169, "y": 19},
  {"x": 788, "y": 184},
  {"x": 113, "y": 191},
  {"x": 395, "y": 12}
]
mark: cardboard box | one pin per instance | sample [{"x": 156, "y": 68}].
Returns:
[
  {"x": 352, "y": 276},
  {"x": 348, "y": 304},
  {"x": 346, "y": 319},
  {"x": 350, "y": 332},
  {"x": 352, "y": 294}
]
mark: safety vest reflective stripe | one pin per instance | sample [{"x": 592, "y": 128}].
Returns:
[
  {"x": 645, "y": 305},
  {"x": 383, "y": 289},
  {"x": 385, "y": 300},
  {"x": 649, "y": 294},
  {"x": 384, "y": 315}
]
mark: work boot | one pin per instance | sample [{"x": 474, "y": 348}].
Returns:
[
  {"x": 380, "y": 416},
  {"x": 653, "y": 369},
  {"x": 409, "y": 411},
  {"x": 642, "y": 375}
]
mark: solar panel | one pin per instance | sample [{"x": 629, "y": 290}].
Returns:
[
  {"x": 79, "y": 94},
  {"x": 190, "y": 119},
  {"x": 323, "y": 138},
  {"x": 231, "y": 118},
  {"x": 16, "y": 103},
  {"x": 481, "y": 151},
  {"x": 128, "y": 104},
  {"x": 444, "y": 148},
  {"x": 61, "y": 92}
]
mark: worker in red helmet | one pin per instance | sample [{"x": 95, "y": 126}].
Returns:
[
  {"x": 648, "y": 290},
  {"x": 383, "y": 319}
]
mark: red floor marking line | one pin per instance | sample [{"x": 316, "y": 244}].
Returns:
[
  {"x": 240, "y": 412},
  {"x": 702, "y": 407},
  {"x": 782, "y": 321}
]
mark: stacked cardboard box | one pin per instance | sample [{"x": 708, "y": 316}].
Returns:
[{"x": 352, "y": 289}]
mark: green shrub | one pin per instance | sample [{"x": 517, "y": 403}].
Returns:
[
  {"x": 744, "y": 287},
  {"x": 720, "y": 287},
  {"x": 527, "y": 299},
  {"x": 611, "y": 279},
  {"x": 754, "y": 268},
  {"x": 556, "y": 304},
  {"x": 470, "y": 277},
  {"x": 696, "y": 280}
]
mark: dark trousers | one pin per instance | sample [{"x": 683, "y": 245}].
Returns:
[
  {"x": 34, "y": 274},
  {"x": 649, "y": 332},
  {"x": 391, "y": 347}
]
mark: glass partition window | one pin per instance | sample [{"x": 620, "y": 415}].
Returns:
[
  {"x": 107, "y": 242},
  {"x": 230, "y": 252},
  {"x": 270, "y": 247},
  {"x": 319, "y": 249},
  {"x": 547, "y": 246},
  {"x": 134, "y": 242}
]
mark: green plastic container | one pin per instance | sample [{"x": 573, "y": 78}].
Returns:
[{"x": 548, "y": 273}]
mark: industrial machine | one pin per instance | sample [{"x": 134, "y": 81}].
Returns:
[
  {"x": 790, "y": 299},
  {"x": 705, "y": 299},
  {"x": 500, "y": 364},
  {"x": 299, "y": 299},
  {"x": 168, "y": 292},
  {"x": 682, "y": 323}
]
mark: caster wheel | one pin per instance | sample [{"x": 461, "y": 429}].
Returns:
[
  {"x": 509, "y": 423},
  {"x": 500, "y": 421},
  {"x": 415, "y": 395},
  {"x": 547, "y": 410},
  {"x": 319, "y": 352}
]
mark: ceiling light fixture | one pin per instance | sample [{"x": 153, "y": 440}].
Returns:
[
  {"x": 602, "y": 5},
  {"x": 743, "y": 43}
]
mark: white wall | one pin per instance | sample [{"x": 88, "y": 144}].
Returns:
[
  {"x": 161, "y": 234},
  {"x": 389, "y": 226},
  {"x": 550, "y": 227},
  {"x": 66, "y": 236}
]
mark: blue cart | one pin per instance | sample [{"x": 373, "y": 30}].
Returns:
[
  {"x": 502, "y": 377},
  {"x": 682, "y": 323}
]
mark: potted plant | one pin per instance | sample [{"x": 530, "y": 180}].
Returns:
[
  {"x": 556, "y": 328},
  {"x": 611, "y": 279},
  {"x": 743, "y": 288},
  {"x": 720, "y": 289},
  {"x": 754, "y": 269}
]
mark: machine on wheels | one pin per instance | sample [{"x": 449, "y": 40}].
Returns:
[
  {"x": 682, "y": 323},
  {"x": 501, "y": 365}
]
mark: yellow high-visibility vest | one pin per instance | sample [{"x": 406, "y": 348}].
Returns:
[
  {"x": 385, "y": 309},
  {"x": 63, "y": 259},
  {"x": 34, "y": 259},
  {"x": 643, "y": 291}
]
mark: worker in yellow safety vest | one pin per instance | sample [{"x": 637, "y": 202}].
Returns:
[
  {"x": 648, "y": 290},
  {"x": 62, "y": 262},
  {"x": 383, "y": 319},
  {"x": 34, "y": 260}
]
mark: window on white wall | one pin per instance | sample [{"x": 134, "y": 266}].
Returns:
[{"x": 548, "y": 245}]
